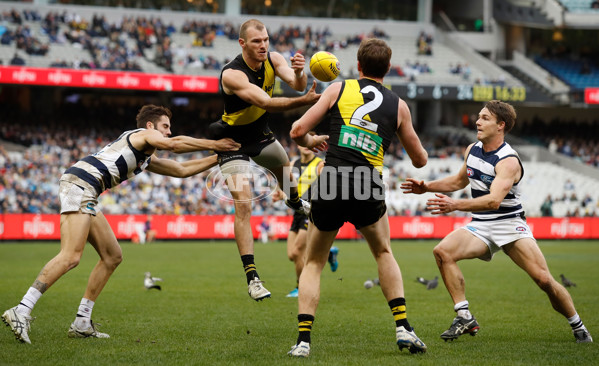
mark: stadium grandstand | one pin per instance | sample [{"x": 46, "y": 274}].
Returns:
[{"x": 541, "y": 56}]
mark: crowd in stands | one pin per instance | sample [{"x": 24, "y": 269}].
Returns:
[
  {"x": 578, "y": 140},
  {"x": 119, "y": 45},
  {"x": 205, "y": 32},
  {"x": 577, "y": 207},
  {"x": 28, "y": 181},
  {"x": 22, "y": 35}
]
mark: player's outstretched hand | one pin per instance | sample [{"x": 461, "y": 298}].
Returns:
[
  {"x": 440, "y": 204},
  {"x": 226, "y": 144},
  {"x": 312, "y": 96},
  {"x": 319, "y": 143},
  {"x": 412, "y": 185}
]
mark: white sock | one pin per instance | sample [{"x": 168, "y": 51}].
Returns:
[
  {"x": 575, "y": 322},
  {"x": 84, "y": 312},
  {"x": 462, "y": 309},
  {"x": 29, "y": 301}
]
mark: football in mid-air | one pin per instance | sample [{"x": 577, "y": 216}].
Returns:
[{"x": 324, "y": 66}]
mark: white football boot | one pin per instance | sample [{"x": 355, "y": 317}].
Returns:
[
  {"x": 300, "y": 350},
  {"x": 257, "y": 291},
  {"x": 89, "y": 332},
  {"x": 409, "y": 339},
  {"x": 20, "y": 324}
]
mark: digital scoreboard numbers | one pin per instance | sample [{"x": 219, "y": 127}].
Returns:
[
  {"x": 483, "y": 93},
  {"x": 414, "y": 91},
  {"x": 477, "y": 93}
]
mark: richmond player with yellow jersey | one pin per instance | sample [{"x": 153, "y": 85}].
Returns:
[
  {"x": 364, "y": 116},
  {"x": 305, "y": 171},
  {"x": 247, "y": 84}
]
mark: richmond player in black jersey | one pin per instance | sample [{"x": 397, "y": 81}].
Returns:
[
  {"x": 306, "y": 169},
  {"x": 247, "y": 84},
  {"x": 364, "y": 117}
]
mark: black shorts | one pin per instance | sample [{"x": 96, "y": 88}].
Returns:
[
  {"x": 248, "y": 150},
  {"x": 252, "y": 137},
  {"x": 330, "y": 215},
  {"x": 300, "y": 222}
]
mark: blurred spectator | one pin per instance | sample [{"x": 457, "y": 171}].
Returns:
[
  {"x": 17, "y": 60},
  {"x": 585, "y": 68},
  {"x": 150, "y": 233},
  {"x": 424, "y": 44},
  {"x": 569, "y": 185},
  {"x": 546, "y": 207}
]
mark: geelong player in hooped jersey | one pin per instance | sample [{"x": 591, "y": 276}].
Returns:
[
  {"x": 364, "y": 117},
  {"x": 494, "y": 172},
  {"x": 81, "y": 221}
]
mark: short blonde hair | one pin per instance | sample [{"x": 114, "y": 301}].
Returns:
[{"x": 255, "y": 23}]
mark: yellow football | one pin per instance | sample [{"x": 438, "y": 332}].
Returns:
[{"x": 324, "y": 66}]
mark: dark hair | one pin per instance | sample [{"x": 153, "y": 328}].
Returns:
[
  {"x": 503, "y": 112},
  {"x": 250, "y": 23},
  {"x": 374, "y": 56},
  {"x": 151, "y": 113}
]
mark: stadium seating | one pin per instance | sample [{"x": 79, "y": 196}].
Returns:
[
  {"x": 571, "y": 71},
  {"x": 190, "y": 59},
  {"x": 582, "y": 6},
  {"x": 28, "y": 183}
]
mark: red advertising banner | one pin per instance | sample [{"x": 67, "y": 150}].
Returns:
[
  {"x": 591, "y": 95},
  {"x": 107, "y": 79},
  {"x": 127, "y": 227}
]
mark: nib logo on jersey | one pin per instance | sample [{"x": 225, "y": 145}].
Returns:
[
  {"x": 239, "y": 176},
  {"x": 363, "y": 141}
]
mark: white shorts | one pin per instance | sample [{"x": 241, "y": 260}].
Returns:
[
  {"x": 74, "y": 198},
  {"x": 499, "y": 233}
]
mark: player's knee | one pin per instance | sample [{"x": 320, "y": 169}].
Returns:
[
  {"x": 441, "y": 254},
  {"x": 71, "y": 260},
  {"x": 243, "y": 210},
  {"x": 545, "y": 281},
  {"x": 291, "y": 256},
  {"x": 295, "y": 254},
  {"x": 380, "y": 252},
  {"x": 115, "y": 259}
]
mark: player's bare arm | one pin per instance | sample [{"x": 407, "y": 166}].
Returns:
[
  {"x": 236, "y": 82},
  {"x": 183, "y": 144},
  {"x": 294, "y": 76},
  {"x": 184, "y": 169},
  {"x": 311, "y": 119},
  {"x": 448, "y": 184},
  {"x": 152, "y": 139},
  {"x": 408, "y": 137},
  {"x": 507, "y": 171}
]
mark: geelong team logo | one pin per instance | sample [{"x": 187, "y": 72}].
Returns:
[
  {"x": 470, "y": 172},
  {"x": 487, "y": 178},
  {"x": 239, "y": 177}
]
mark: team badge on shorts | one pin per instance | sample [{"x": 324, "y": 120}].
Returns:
[
  {"x": 521, "y": 229},
  {"x": 90, "y": 206}
]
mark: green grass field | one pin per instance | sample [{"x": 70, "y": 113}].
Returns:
[{"x": 203, "y": 315}]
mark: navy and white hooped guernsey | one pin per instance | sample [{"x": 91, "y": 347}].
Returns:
[
  {"x": 115, "y": 163},
  {"x": 481, "y": 172}
]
